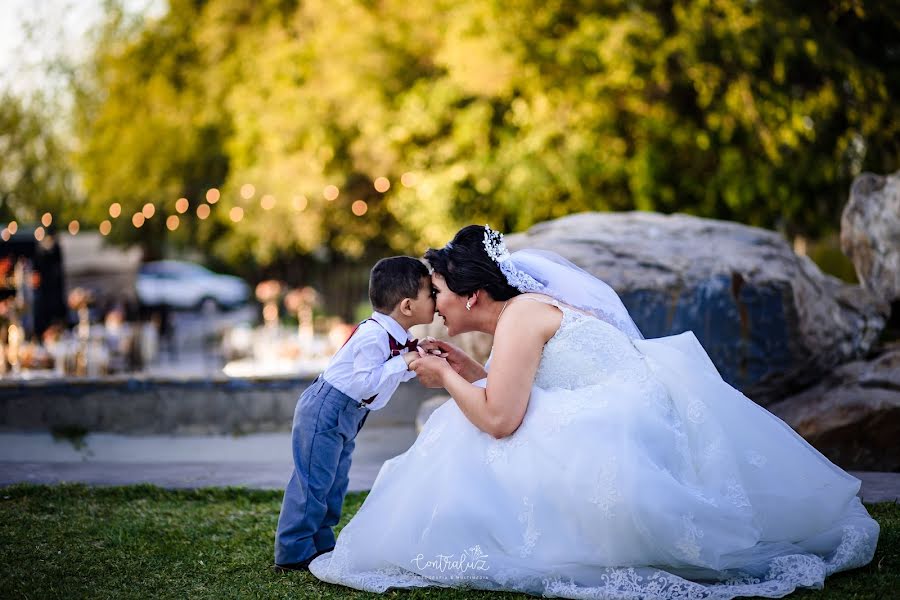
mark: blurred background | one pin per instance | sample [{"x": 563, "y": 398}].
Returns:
[{"x": 191, "y": 186}]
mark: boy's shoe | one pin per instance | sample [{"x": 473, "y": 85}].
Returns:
[{"x": 303, "y": 565}]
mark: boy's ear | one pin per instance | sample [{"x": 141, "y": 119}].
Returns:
[{"x": 405, "y": 307}]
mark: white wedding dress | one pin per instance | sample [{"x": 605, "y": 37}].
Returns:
[{"x": 637, "y": 473}]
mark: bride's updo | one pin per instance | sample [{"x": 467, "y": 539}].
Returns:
[{"x": 465, "y": 265}]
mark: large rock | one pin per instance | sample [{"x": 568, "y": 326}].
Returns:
[
  {"x": 771, "y": 321},
  {"x": 870, "y": 233},
  {"x": 853, "y": 415}
]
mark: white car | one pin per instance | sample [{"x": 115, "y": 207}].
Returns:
[{"x": 188, "y": 285}]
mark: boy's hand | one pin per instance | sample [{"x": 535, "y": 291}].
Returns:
[
  {"x": 409, "y": 357},
  {"x": 431, "y": 370},
  {"x": 461, "y": 362}
]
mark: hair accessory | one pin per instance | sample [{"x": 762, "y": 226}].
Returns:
[{"x": 496, "y": 249}]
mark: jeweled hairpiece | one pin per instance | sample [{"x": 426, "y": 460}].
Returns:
[
  {"x": 494, "y": 246},
  {"x": 496, "y": 249}
]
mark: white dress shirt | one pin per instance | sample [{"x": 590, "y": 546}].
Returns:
[{"x": 364, "y": 366}]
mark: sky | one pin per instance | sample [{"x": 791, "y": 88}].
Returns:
[{"x": 59, "y": 28}]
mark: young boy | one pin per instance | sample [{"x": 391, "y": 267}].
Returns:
[{"x": 361, "y": 377}]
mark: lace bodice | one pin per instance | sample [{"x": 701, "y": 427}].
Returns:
[{"x": 587, "y": 351}]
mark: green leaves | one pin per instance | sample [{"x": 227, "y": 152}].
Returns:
[
  {"x": 510, "y": 113},
  {"x": 35, "y": 168}
]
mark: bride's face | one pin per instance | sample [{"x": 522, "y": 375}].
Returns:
[{"x": 451, "y": 306}]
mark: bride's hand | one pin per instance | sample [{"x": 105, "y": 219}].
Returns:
[
  {"x": 437, "y": 347},
  {"x": 462, "y": 363},
  {"x": 430, "y": 370}
]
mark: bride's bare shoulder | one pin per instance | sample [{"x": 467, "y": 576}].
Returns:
[
  {"x": 542, "y": 298},
  {"x": 542, "y": 314}
]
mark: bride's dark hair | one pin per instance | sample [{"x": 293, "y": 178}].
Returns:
[{"x": 465, "y": 265}]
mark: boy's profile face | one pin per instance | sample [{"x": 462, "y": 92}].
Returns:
[{"x": 422, "y": 305}]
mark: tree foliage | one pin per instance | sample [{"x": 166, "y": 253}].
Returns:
[
  {"x": 35, "y": 169},
  {"x": 503, "y": 112}
]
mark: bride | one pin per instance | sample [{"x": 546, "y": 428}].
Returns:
[{"x": 587, "y": 462}]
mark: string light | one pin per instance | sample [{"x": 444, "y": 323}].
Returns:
[
  {"x": 331, "y": 192},
  {"x": 203, "y": 211},
  {"x": 13, "y": 227},
  {"x": 267, "y": 202},
  {"x": 39, "y": 234},
  {"x": 149, "y": 210},
  {"x": 382, "y": 184},
  {"x": 172, "y": 222},
  {"x": 247, "y": 191},
  {"x": 359, "y": 208},
  {"x": 4, "y": 235},
  {"x": 236, "y": 214},
  {"x": 105, "y": 227},
  {"x": 115, "y": 209},
  {"x": 74, "y": 227},
  {"x": 408, "y": 179},
  {"x": 46, "y": 219},
  {"x": 138, "y": 219},
  {"x": 300, "y": 203},
  {"x": 212, "y": 195},
  {"x": 182, "y": 205}
]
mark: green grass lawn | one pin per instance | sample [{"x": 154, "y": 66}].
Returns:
[{"x": 72, "y": 541}]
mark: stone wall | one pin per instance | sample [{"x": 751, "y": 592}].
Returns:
[{"x": 159, "y": 405}]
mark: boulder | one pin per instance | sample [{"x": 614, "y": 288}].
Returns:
[
  {"x": 870, "y": 234},
  {"x": 853, "y": 415},
  {"x": 771, "y": 321}
]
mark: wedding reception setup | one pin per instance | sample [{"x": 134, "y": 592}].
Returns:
[{"x": 74, "y": 306}]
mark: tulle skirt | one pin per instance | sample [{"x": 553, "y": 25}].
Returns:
[{"x": 674, "y": 486}]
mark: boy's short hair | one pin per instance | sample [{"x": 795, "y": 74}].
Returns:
[{"x": 393, "y": 279}]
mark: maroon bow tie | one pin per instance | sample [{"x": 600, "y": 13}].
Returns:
[{"x": 397, "y": 347}]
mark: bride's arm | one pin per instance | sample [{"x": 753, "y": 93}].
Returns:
[{"x": 519, "y": 340}]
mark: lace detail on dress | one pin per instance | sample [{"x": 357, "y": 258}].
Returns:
[
  {"x": 531, "y": 533},
  {"x": 736, "y": 494},
  {"x": 689, "y": 544},
  {"x": 702, "y": 497},
  {"x": 756, "y": 459},
  {"x": 783, "y": 575},
  {"x": 429, "y": 438},
  {"x": 586, "y": 351},
  {"x": 855, "y": 550},
  {"x": 606, "y": 492},
  {"x": 564, "y": 413},
  {"x": 696, "y": 412},
  {"x": 498, "y": 450}
]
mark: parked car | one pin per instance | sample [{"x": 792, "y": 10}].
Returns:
[{"x": 182, "y": 284}]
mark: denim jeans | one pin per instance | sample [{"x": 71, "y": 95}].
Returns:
[{"x": 326, "y": 422}]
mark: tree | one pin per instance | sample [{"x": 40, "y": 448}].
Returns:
[
  {"x": 477, "y": 110},
  {"x": 35, "y": 172}
]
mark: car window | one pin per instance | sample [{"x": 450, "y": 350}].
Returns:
[
  {"x": 174, "y": 270},
  {"x": 150, "y": 270},
  {"x": 190, "y": 270}
]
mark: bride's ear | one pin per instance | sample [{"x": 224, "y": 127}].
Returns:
[{"x": 472, "y": 300}]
